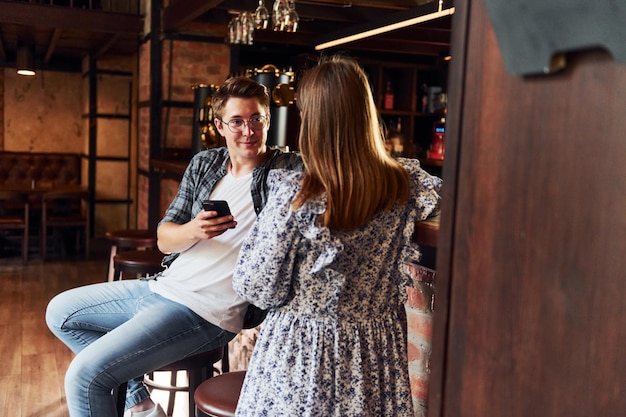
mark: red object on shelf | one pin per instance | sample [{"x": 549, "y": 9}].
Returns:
[
  {"x": 388, "y": 98},
  {"x": 437, "y": 146}
]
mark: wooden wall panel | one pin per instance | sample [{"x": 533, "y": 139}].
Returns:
[{"x": 533, "y": 238}]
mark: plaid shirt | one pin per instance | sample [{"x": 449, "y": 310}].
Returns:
[{"x": 205, "y": 169}]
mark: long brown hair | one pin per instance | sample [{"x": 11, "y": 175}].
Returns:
[{"x": 342, "y": 146}]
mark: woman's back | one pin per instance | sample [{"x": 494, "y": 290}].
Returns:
[{"x": 335, "y": 341}]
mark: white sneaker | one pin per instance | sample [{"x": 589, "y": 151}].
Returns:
[{"x": 157, "y": 411}]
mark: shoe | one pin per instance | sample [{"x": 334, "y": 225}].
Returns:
[{"x": 157, "y": 411}]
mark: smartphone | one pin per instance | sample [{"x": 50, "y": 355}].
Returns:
[{"x": 221, "y": 206}]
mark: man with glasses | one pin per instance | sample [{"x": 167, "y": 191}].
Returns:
[{"x": 124, "y": 329}]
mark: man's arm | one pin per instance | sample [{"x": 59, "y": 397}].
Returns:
[
  {"x": 176, "y": 238},
  {"x": 180, "y": 229}
]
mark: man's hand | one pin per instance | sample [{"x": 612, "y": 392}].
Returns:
[
  {"x": 210, "y": 225},
  {"x": 173, "y": 237}
]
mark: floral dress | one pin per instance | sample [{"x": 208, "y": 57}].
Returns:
[{"x": 334, "y": 340}]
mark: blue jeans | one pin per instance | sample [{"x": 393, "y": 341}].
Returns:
[{"x": 120, "y": 331}]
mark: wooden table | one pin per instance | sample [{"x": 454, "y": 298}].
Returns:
[
  {"x": 40, "y": 188},
  {"x": 36, "y": 191},
  {"x": 35, "y": 194}
]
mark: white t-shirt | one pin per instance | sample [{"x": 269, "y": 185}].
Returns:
[{"x": 201, "y": 277}]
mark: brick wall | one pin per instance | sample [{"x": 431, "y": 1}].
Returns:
[
  {"x": 142, "y": 204},
  {"x": 185, "y": 63},
  {"x": 419, "y": 311}
]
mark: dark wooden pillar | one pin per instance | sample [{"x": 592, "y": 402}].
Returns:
[
  {"x": 92, "y": 76},
  {"x": 156, "y": 105},
  {"x": 530, "y": 317}
]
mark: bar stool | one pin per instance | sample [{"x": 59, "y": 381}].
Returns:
[
  {"x": 199, "y": 367},
  {"x": 138, "y": 262},
  {"x": 218, "y": 396},
  {"x": 135, "y": 239}
]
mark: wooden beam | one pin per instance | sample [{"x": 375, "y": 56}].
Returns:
[
  {"x": 107, "y": 46},
  {"x": 56, "y": 34},
  {"x": 181, "y": 12},
  {"x": 393, "y": 46},
  {"x": 289, "y": 38},
  {"x": 382, "y": 21},
  {"x": 379, "y": 4},
  {"x": 64, "y": 18}
]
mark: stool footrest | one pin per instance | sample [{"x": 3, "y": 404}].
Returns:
[
  {"x": 152, "y": 384},
  {"x": 199, "y": 367}
]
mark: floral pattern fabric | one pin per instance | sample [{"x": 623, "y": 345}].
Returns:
[{"x": 334, "y": 340}]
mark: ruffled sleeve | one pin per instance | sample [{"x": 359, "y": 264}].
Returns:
[
  {"x": 424, "y": 200},
  {"x": 326, "y": 246},
  {"x": 425, "y": 189}
]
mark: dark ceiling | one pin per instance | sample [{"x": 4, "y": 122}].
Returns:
[{"x": 65, "y": 32}]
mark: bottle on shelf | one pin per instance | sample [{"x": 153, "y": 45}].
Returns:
[
  {"x": 433, "y": 98},
  {"x": 394, "y": 139},
  {"x": 388, "y": 97}
]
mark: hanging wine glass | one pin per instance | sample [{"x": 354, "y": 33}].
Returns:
[
  {"x": 292, "y": 19},
  {"x": 238, "y": 29},
  {"x": 232, "y": 31},
  {"x": 261, "y": 16},
  {"x": 280, "y": 13},
  {"x": 243, "y": 21},
  {"x": 247, "y": 28},
  {"x": 251, "y": 28}
]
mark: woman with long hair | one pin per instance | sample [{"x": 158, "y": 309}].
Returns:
[{"x": 326, "y": 258}]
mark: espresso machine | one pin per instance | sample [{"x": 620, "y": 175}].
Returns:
[
  {"x": 204, "y": 132},
  {"x": 282, "y": 94}
]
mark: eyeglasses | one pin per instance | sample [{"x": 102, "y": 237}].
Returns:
[{"x": 237, "y": 124}]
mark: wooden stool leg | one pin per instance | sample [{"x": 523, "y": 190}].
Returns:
[
  {"x": 225, "y": 362},
  {"x": 172, "y": 394},
  {"x": 25, "y": 244},
  {"x": 111, "y": 275},
  {"x": 195, "y": 379},
  {"x": 117, "y": 274},
  {"x": 44, "y": 242}
]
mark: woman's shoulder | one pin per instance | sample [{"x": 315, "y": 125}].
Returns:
[
  {"x": 284, "y": 179},
  {"x": 412, "y": 166},
  {"x": 419, "y": 175},
  {"x": 289, "y": 160},
  {"x": 424, "y": 189}
]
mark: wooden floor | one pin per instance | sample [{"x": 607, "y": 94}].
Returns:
[{"x": 33, "y": 360}]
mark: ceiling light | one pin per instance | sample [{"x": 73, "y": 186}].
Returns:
[
  {"x": 24, "y": 61},
  {"x": 405, "y": 22}
]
